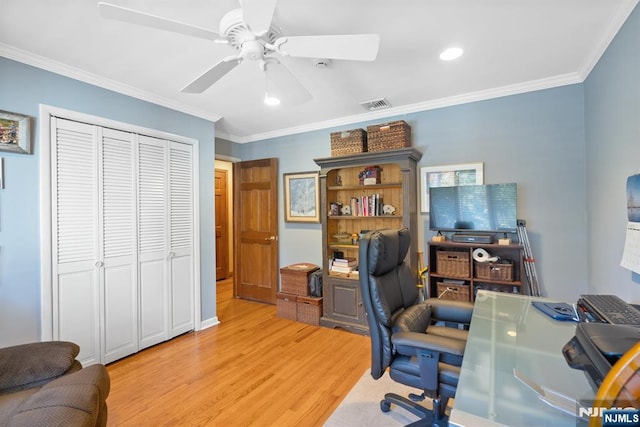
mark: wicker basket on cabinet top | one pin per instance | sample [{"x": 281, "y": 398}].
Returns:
[
  {"x": 388, "y": 136},
  {"x": 352, "y": 141}
]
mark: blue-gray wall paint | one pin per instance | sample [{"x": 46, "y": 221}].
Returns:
[
  {"x": 534, "y": 139},
  {"x": 612, "y": 116},
  {"x": 23, "y": 89}
]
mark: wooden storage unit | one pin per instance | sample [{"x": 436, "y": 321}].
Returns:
[
  {"x": 455, "y": 275},
  {"x": 340, "y": 182}
]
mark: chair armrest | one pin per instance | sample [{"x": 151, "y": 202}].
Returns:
[
  {"x": 415, "y": 318},
  {"x": 410, "y": 343},
  {"x": 450, "y": 311},
  {"x": 33, "y": 365}
]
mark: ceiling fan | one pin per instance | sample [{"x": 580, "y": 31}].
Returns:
[{"x": 251, "y": 32}]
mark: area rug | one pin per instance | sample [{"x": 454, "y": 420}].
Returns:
[{"x": 361, "y": 407}]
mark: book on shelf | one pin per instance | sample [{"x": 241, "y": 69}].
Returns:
[
  {"x": 366, "y": 205},
  {"x": 339, "y": 269},
  {"x": 345, "y": 262}
]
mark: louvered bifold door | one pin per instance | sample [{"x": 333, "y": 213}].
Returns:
[
  {"x": 76, "y": 306},
  {"x": 181, "y": 237},
  {"x": 118, "y": 244},
  {"x": 153, "y": 241}
]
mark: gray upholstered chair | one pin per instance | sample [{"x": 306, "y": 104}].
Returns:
[
  {"x": 42, "y": 384},
  {"x": 414, "y": 341}
]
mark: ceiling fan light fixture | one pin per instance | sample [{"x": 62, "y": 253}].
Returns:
[
  {"x": 451, "y": 53},
  {"x": 270, "y": 100}
]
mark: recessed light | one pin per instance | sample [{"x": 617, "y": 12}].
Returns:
[
  {"x": 451, "y": 53},
  {"x": 271, "y": 101}
]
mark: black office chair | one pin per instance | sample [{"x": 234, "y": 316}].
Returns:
[{"x": 415, "y": 341}]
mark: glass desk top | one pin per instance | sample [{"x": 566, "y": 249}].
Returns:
[{"x": 513, "y": 372}]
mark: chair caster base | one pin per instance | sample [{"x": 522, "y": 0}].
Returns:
[{"x": 428, "y": 417}]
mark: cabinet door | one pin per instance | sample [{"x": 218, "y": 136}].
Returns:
[
  {"x": 76, "y": 305},
  {"x": 119, "y": 288},
  {"x": 153, "y": 241},
  {"x": 181, "y": 237},
  {"x": 345, "y": 304}
]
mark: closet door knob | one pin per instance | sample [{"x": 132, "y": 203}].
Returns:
[{"x": 99, "y": 264}]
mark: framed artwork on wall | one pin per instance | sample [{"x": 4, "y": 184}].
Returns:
[
  {"x": 15, "y": 135},
  {"x": 301, "y": 197},
  {"x": 448, "y": 176}
]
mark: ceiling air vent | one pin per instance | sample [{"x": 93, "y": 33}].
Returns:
[{"x": 376, "y": 104}]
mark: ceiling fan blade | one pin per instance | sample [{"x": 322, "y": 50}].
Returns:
[
  {"x": 211, "y": 76},
  {"x": 360, "y": 47},
  {"x": 111, "y": 11},
  {"x": 289, "y": 89},
  {"x": 257, "y": 14}
]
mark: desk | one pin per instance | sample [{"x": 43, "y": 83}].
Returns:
[{"x": 508, "y": 334}]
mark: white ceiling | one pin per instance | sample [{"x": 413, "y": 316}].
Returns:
[{"x": 511, "y": 46}]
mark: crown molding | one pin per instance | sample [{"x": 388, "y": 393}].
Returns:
[
  {"x": 515, "y": 89},
  {"x": 623, "y": 12},
  {"x": 46, "y": 64}
]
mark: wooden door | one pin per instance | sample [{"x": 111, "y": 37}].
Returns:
[
  {"x": 256, "y": 229},
  {"x": 222, "y": 224}
]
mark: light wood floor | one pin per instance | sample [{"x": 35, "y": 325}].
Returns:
[{"x": 252, "y": 369}]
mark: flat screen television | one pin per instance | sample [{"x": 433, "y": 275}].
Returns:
[{"x": 474, "y": 208}]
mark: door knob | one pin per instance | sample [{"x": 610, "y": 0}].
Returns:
[
  {"x": 271, "y": 238},
  {"x": 99, "y": 263}
]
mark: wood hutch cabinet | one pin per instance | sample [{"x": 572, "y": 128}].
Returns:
[{"x": 341, "y": 184}]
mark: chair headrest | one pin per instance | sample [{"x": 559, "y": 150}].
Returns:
[{"x": 387, "y": 250}]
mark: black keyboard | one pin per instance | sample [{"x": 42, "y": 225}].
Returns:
[{"x": 611, "y": 309}]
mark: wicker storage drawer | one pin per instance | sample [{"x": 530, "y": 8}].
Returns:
[
  {"x": 452, "y": 263},
  {"x": 388, "y": 136},
  {"x": 453, "y": 292},
  {"x": 309, "y": 310},
  {"x": 494, "y": 270},
  {"x": 294, "y": 279},
  {"x": 348, "y": 142},
  {"x": 286, "y": 306}
]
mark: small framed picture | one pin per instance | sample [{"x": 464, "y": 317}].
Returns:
[
  {"x": 15, "y": 135},
  {"x": 301, "y": 197}
]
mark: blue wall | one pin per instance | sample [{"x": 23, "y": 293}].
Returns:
[
  {"x": 23, "y": 88},
  {"x": 612, "y": 111},
  {"x": 534, "y": 139}
]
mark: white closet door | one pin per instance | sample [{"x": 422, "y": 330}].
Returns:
[
  {"x": 181, "y": 237},
  {"x": 119, "y": 290},
  {"x": 153, "y": 247},
  {"x": 76, "y": 304}
]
